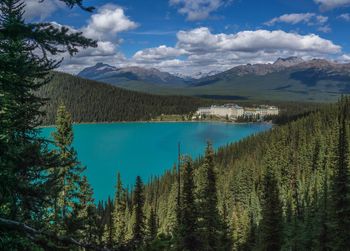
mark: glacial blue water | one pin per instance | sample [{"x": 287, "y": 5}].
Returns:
[{"x": 145, "y": 149}]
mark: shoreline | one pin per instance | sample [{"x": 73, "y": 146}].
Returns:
[{"x": 165, "y": 121}]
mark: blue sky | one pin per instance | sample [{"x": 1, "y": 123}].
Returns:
[{"x": 188, "y": 36}]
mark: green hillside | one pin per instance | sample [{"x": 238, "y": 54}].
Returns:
[{"x": 91, "y": 101}]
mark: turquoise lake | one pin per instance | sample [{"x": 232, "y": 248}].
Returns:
[{"x": 145, "y": 149}]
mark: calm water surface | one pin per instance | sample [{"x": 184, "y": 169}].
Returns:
[{"x": 145, "y": 149}]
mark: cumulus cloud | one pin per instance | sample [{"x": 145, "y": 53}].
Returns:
[
  {"x": 295, "y": 18},
  {"x": 345, "y": 58},
  {"x": 326, "y": 5},
  {"x": 106, "y": 52},
  {"x": 41, "y": 9},
  {"x": 104, "y": 26},
  {"x": 345, "y": 17},
  {"x": 159, "y": 53},
  {"x": 325, "y": 29},
  {"x": 201, "y": 40},
  {"x": 107, "y": 22},
  {"x": 198, "y": 9},
  {"x": 201, "y": 50}
]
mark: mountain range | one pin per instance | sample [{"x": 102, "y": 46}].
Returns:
[
  {"x": 287, "y": 78},
  {"x": 113, "y": 75}
]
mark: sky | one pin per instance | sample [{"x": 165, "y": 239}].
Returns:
[{"x": 191, "y": 36}]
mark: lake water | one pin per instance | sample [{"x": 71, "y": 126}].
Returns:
[{"x": 145, "y": 149}]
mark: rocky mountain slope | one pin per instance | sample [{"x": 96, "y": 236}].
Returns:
[
  {"x": 286, "y": 79},
  {"x": 113, "y": 75}
]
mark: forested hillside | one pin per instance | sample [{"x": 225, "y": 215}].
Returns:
[{"x": 90, "y": 101}]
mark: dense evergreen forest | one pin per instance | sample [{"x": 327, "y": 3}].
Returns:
[
  {"x": 286, "y": 189},
  {"x": 91, "y": 101}
]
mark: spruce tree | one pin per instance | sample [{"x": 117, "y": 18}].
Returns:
[
  {"x": 272, "y": 222},
  {"x": 108, "y": 229},
  {"x": 86, "y": 213},
  {"x": 152, "y": 226},
  {"x": 27, "y": 182},
  {"x": 209, "y": 218},
  {"x": 187, "y": 228},
  {"x": 119, "y": 217},
  {"x": 69, "y": 175},
  {"x": 341, "y": 183},
  {"x": 138, "y": 234}
]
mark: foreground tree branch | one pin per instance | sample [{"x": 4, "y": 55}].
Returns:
[{"x": 37, "y": 235}]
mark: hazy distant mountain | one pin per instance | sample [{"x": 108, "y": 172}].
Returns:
[
  {"x": 113, "y": 75},
  {"x": 200, "y": 75},
  {"x": 257, "y": 69},
  {"x": 308, "y": 72},
  {"x": 286, "y": 79}
]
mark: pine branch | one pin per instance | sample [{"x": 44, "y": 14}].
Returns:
[
  {"x": 72, "y": 3},
  {"x": 36, "y": 235}
]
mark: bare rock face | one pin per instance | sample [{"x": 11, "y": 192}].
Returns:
[
  {"x": 288, "y": 62},
  {"x": 263, "y": 69}
]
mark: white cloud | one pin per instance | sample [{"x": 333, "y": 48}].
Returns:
[
  {"x": 41, "y": 9},
  {"x": 107, "y": 22},
  {"x": 159, "y": 53},
  {"x": 106, "y": 52},
  {"x": 325, "y": 29},
  {"x": 321, "y": 19},
  {"x": 345, "y": 16},
  {"x": 201, "y": 40},
  {"x": 104, "y": 26},
  {"x": 200, "y": 50},
  {"x": 326, "y": 5},
  {"x": 345, "y": 58},
  {"x": 198, "y": 9},
  {"x": 104, "y": 48},
  {"x": 291, "y": 18},
  {"x": 295, "y": 18}
]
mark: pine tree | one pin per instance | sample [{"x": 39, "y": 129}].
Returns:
[
  {"x": 26, "y": 180},
  {"x": 187, "y": 228},
  {"x": 25, "y": 159},
  {"x": 139, "y": 224},
  {"x": 324, "y": 235},
  {"x": 119, "y": 217},
  {"x": 341, "y": 186},
  {"x": 271, "y": 224},
  {"x": 108, "y": 229},
  {"x": 152, "y": 226},
  {"x": 82, "y": 221},
  {"x": 69, "y": 176},
  {"x": 91, "y": 233},
  {"x": 209, "y": 218},
  {"x": 226, "y": 234}
]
